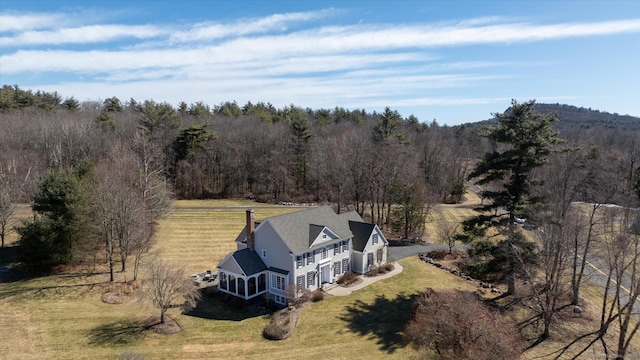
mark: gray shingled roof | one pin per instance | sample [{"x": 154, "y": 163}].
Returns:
[
  {"x": 361, "y": 232},
  {"x": 242, "y": 237},
  {"x": 249, "y": 261},
  {"x": 295, "y": 227},
  {"x": 314, "y": 231}
]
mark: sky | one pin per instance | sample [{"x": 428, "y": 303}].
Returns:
[{"x": 449, "y": 61}]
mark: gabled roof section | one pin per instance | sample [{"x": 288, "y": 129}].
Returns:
[
  {"x": 361, "y": 233},
  {"x": 295, "y": 228},
  {"x": 242, "y": 237},
  {"x": 249, "y": 261},
  {"x": 351, "y": 216},
  {"x": 314, "y": 231}
]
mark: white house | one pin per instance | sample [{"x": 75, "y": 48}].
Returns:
[{"x": 308, "y": 248}]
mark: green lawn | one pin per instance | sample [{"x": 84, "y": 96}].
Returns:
[{"x": 62, "y": 317}]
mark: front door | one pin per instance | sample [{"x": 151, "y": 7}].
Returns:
[{"x": 325, "y": 273}]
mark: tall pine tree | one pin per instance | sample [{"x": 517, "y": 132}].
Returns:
[{"x": 522, "y": 141}]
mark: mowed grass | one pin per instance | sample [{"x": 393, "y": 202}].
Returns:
[
  {"x": 199, "y": 234},
  {"x": 453, "y": 213},
  {"x": 62, "y": 316}
]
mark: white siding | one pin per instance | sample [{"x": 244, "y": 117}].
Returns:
[{"x": 266, "y": 238}]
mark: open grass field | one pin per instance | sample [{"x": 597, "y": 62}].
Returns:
[
  {"x": 449, "y": 213},
  {"x": 62, "y": 316}
]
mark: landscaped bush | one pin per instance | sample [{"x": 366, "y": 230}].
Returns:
[
  {"x": 458, "y": 325},
  {"x": 317, "y": 295},
  {"x": 437, "y": 254},
  {"x": 282, "y": 323},
  {"x": 349, "y": 278},
  {"x": 297, "y": 295},
  {"x": 388, "y": 267},
  {"x": 379, "y": 270}
]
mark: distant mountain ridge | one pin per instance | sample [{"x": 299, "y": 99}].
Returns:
[{"x": 579, "y": 118}]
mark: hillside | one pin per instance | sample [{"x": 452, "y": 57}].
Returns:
[{"x": 579, "y": 118}]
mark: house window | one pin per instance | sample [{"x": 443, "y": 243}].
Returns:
[
  {"x": 300, "y": 282},
  {"x": 310, "y": 258},
  {"x": 277, "y": 282},
  {"x": 223, "y": 281},
  {"x": 375, "y": 239},
  {"x": 336, "y": 268},
  {"x": 345, "y": 265},
  {"x": 324, "y": 236},
  {"x": 336, "y": 248},
  {"x": 251, "y": 286},
  {"x": 262, "y": 282},
  {"x": 241, "y": 287},
  {"x": 369, "y": 259},
  {"x": 232, "y": 283},
  {"x": 345, "y": 247},
  {"x": 311, "y": 278},
  {"x": 299, "y": 262},
  {"x": 264, "y": 253},
  {"x": 325, "y": 253}
]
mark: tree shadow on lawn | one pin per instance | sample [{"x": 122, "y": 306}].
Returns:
[
  {"x": 214, "y": 308},
  {"x": 117, "y": 333},
  {"x": 79, "y": 290},
  {"x": 384, "y": 319},
  {"x": 15, "y": 278}
]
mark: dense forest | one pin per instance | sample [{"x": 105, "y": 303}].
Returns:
[
  {"x": 99, "y": 174},
  {"x": 350, "y": 158}
]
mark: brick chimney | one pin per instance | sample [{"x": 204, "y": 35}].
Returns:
[{"x": 250, "y": 228}]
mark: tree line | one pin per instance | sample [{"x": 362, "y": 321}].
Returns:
[
  {"x": 382, "y": 165},
  {"x": 99, "y": 174},
  {"x": 354, "y": 159}
]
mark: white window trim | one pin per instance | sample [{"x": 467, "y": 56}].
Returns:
[{"x": 274, "y": 282}]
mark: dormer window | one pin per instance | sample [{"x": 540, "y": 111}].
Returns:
[
  {"x": 264, "y": 253},
  {"x": 324, "y": 236},
  {"x": 375, "y": 239}
]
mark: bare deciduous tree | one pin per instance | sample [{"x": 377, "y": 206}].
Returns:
[
  {"x": 7, "y": 209},
  {"x": 169, "y": 286},
  {"x": 119, "y": 207},
  {"x": 554, "y": 259},
  {"x": 621, "y": 250},
  {"x": 446, "y": 232}
]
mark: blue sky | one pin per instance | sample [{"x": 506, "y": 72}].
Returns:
[{"x": 453, "y": 61}]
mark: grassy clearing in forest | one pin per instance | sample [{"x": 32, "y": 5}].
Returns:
[{"x": 62, "y": 316}]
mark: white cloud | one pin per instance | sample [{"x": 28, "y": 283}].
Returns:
[
  {"x": 273, "y": 50},
  {"x": 242, "y": 27},
  {"x": 11, "y": 21},
  {"x": 83, "y": 35},
  {"x": 282, "y": 58}
]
